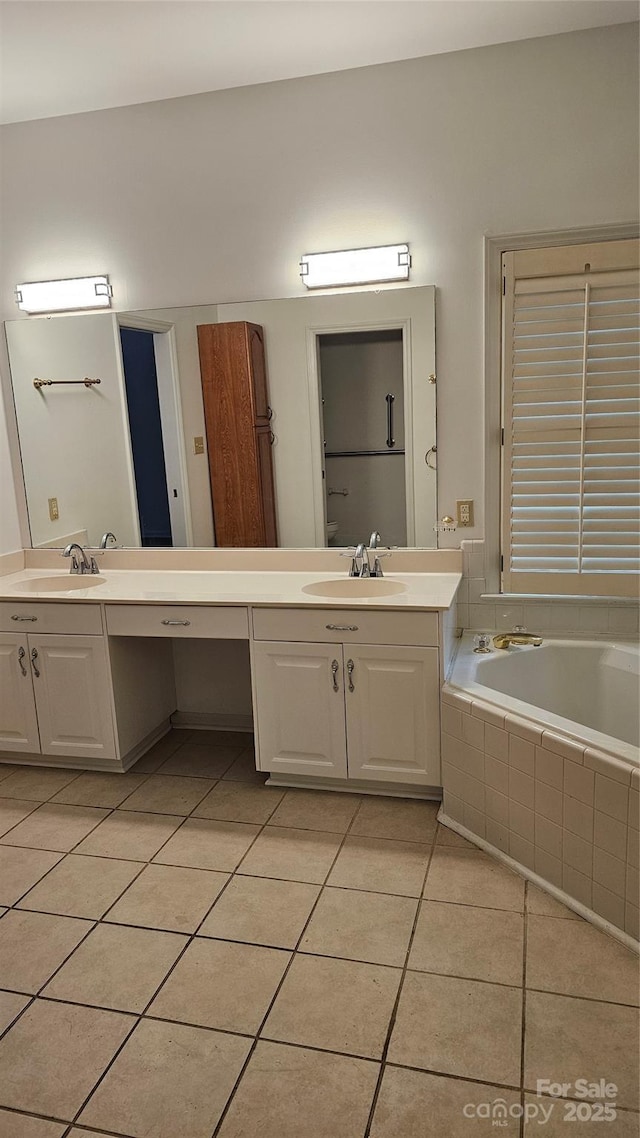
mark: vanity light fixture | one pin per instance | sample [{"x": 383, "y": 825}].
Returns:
[
  {"x": 64, "y": 296},
  {"x": 356, "y": 266}
]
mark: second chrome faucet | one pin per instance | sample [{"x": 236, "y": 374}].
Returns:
[{"x": 362, "y": 563}]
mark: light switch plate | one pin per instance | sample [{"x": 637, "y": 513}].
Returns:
[
  {"x": 198, "y": 444},
  {"x": 464, "y": 512},
  {"x": 54, "y": 512}
]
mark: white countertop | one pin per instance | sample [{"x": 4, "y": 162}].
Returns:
[{"x": 219, "y": 587}]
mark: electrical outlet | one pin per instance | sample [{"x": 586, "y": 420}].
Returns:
[
  {"x": 464, "y": 511},
  {"x": 54, "y": 512},
  {"x": 198, "y": 444}
]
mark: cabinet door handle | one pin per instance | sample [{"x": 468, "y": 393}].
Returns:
[
  {"x": 334, "y": 672},
  {"x": 19, "y": 618},
  {"x": 21, "y": 656},
  {"x": 350, "y": 668},
  {"x": 183, "y": 623},
  {"x": 269, "y": 413},
  {"x": 342, "y": 627},
  {"x": 34, "y": 665}
]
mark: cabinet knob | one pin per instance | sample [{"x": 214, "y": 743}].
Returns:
[
  {"x": 21, "y": 656},
  {"x": 34, "y": 659},
  {"x": 19, "y": 618},
  {"x": 183, "y": 623},
  {"x": 342, "y": 627},
  {"x": 334, "y": 672},
  {"x": 350, "y": 669}
]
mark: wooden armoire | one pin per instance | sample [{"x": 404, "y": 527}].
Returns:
[{"x": 239, "y": 435}]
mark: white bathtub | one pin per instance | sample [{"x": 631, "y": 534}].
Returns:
[
  {"x": 540, "y": 766},
  {"x": 588, "y": 690}
]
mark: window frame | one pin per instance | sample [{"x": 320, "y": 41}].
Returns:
[{"x": 494, "y": 249}]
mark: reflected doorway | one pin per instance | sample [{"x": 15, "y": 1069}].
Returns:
[{"x": 361, "y": 376}]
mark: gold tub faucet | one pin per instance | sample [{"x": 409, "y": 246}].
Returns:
[{"x": 518, "y": 636}]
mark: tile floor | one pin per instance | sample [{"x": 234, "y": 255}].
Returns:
[{"x": 185, "y": 952}]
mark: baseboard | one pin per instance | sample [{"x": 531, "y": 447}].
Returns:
[
  {"x": 553, "y": 891},
  {"x": 211, "y": 721},
  {"x": 356, "y": 786},
  {"x": 145, "y": 744}
]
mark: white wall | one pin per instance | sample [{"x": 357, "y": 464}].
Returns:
[{"x": 214, "y": 197}]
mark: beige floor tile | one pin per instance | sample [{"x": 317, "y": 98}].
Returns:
[
  {"x": 546, "y": 906},
  {"x": 53, "y": 1056},
  {"x": 239, "y": 802},
  {"x": 569, "y": 1039},
  {"x": 33, "y": 945},
  {"x": 169, "y": 897},
  {"x": 8, "y": 768},
  {"x": 316, "y": 810},
  {"x": 336, "y": 1005},
  {"x": 200, "y": 761},
  {"x": 53, "y": 827},
  {"x": 160, "y": 752},
  {"x": 458, "y": 940},
  {"x": 222, "y": 984},
  {"x": 81, "y": 886},
  {"x": 459, "y": 1027},
  {"x": 243, "y": 769},
  {"x": 11, "y": 1004},
  {"x": 117, "y": 967},
  {"x": 381, "y": 865},
  {"x": 412, "y": 1104},
  {"x": 577, "y": 959},
  {"x": 361, "y": 926},
  {"x": 624, "y": 1125},
  {"x": 99, "y": 788},
  {"x": 37, "y": 784},
  {"x": 205, "y": 844},
  {"x": 261, "y": 911},
  {"x": 447, "y": 837},
  {"x": 134, "y": 837},
  {"x": 473, "y": 879},
  {"x": 26, "y": 1126},
  {"x": 289, "y": 1092},
  {"x": 209, "y": 737},
  {"x": 20, "y": 869},
  {"x": 12, "y": 811},
  {"x": 161, "y": 794},
  {"x": 292, "y": 855},
  {"x": 398, "y": 818},
  {"x": 188, "y": 1074}
]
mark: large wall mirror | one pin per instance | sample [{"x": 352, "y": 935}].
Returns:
[{"x": 350, "y": 378}]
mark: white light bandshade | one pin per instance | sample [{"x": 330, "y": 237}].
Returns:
[
  {"x": 64, "y": 296},
  {"x": 356, "y": 266}
]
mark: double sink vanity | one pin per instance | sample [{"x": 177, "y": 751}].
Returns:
[{"x": 345, "y": 672}]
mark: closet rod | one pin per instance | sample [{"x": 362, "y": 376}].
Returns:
[
  {"x": 359, "y": 453},
  {"x": 86, "y": 382}
]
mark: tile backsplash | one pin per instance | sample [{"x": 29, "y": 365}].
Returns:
[{"x": 545, "y": 615}]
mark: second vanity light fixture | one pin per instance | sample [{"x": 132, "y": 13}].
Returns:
[
  {"x": 356, "y": 266},
  {"x": 64, "y": 296}
]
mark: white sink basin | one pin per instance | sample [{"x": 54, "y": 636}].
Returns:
[
  {"x": 65, "y": 583},
  {"x": 355, "y": 587}
]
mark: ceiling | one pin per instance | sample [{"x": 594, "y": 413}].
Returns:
[{"x": 60, "y": 57}]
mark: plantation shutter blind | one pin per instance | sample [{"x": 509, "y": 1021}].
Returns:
[{"x": 571, "y": 420}]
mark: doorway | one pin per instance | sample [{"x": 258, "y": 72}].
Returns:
[
  {"x": 361, "y": 376},
  {"x": 145, "y": 432}
]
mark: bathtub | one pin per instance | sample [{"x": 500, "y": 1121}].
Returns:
[{"x": 540, "y": 764}]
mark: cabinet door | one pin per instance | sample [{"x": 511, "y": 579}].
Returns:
[
  {"x": 393, "y": 731},
  {"x": 18, "y": 720},
  {"x": 255, "y": 338},
  {"x": 299, "y": 706},
  {"x": 72, "y": 685}
]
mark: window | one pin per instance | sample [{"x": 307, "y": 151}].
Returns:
[{"x": 571, "y": 420}]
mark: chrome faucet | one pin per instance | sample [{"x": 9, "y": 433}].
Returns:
[
  {"x": 81, "y": 564},
  {"x": 104, "y": 540},
  {"x": 360, "y": 562},
  {"x": 374, "y": 540},
  {"x": 375, "y": 570},
  {"x": 518, "y": 636}
]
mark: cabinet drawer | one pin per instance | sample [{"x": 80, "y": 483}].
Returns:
[
  {"x": 38, "y": 616},
  {"x": 178, "y": 620},
  {"x": 346, "y": 626}
]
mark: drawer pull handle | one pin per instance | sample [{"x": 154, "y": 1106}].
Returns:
[
  {"x": 183, "y": 623},
  {"x": 342, "y": 627},
  {"x": 334, "y": 672},
  {"x": 34, "y": 665},
  {"x": 350, "y": 667},
  {"x": 21, "y": 656},
  {"x": 31, "y": 618}
]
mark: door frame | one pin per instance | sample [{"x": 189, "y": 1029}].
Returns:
[
  {"x": 166, "y": 357},
  {"x": 315, "y": 415}
]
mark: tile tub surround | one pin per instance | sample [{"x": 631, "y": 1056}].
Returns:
[
  {"x": 333, "y": 974},
  {"x": 563, "y": 812}
]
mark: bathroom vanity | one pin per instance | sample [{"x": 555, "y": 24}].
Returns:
[{"x": 345, "y": 673}]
